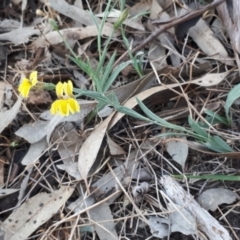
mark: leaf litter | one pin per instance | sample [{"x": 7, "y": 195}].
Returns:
[{"x": 114, "y": 169}]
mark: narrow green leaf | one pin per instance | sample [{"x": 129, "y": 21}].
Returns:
[
  {"x": 233, "y": 95},
  {"x": 114, "y": 74},
  {"x": 222, "y": 144},
  {"x": 213, "y": 146},
  {"x": 215, "y": 117},
  {"x": 211, "y": 177},
  {"x": 159, "y": 120},
  {"x": 131, "y": 113},
  {"x": 107, "y": 71},
  {"x": 196, "y": 128}
]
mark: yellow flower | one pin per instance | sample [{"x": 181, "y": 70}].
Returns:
[
  {"x": 66, "y": 104},
  {"x": 27, "y": 84}
]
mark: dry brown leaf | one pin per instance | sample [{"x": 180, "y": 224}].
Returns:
[
  {"x": 9, "y": 24},
  {"x": 178, "y": 150},
  {"x": 114, "y": 148},
  {"x": 5, "y": 192},
  {"x": 157, "y": 13},
  {"x": 8, "y": 116},
  {"x": 4, "y": 89},
  {"x": 205, "y": 222},
  {"x": 157, "y": 56},
  {"x": 45, "y": 128},
  {"x": 34, "y": 152},
  {"x": 39, "y": 128},
  {"x": 212, "y": 198},
  {"x": 204, "y": 38},
  {"x": 72, "y": 12},
  {"x": 105, "y": 226},
  {"x": 71, "y": 169},
  {"x": 108, "y": 183},
  {"x": 20, "y": 35},
  {"x": 33, "y": 213},
  {"x": 69, "y": 142},
  {"x": 91, "y": 146},
  {"x": 70, "y": 34},
  {"x": 2, "y": 163},
  {"x": 39, "y": 97},
  {"x": 86, "y": 107},
  {"x": 125, "y": 92}
]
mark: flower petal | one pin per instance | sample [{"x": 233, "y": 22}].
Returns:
[
  {"x": 73, "y": 105},
  {"x": 59, "y": 89},
  {"x": 33, "y": 78},
  {"x": 68, "y": 88},
  {"x": 63, "y": 107},
  {"x": 25, "y": 87},
  {"x": 54, "y": 106}
]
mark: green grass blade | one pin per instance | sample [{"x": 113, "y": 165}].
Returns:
[
  {"x": 107, "y": 71},
  {"x": 114, "y": 74},
  {"x": 196, "y": 128},
  {"x": 216, "y": 118},
  {"x": 232, "y": 96},
  {"x": 131, "y": 113},
  {"x": 159, "y": 120},
  {"x": 222, "y": 144},
  {"x": 211, "y": 177},
  {"x": 213, "y": 146}
]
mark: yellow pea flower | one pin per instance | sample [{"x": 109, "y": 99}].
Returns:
[
  {"x": 66, "y": 104},
  {"x": 27, "y": 84}
]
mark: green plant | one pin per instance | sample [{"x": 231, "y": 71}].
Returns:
[{"x": 105, "y": 74}]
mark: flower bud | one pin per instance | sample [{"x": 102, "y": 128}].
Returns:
[{"x": 123, "y": 16}]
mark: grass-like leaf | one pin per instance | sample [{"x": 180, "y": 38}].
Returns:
[
  {"x": 232, "y": 96},
  {"x": 114, "y": 74},
  {"x": 211, "y": 177},
  {"x": 196, "y": 128}
]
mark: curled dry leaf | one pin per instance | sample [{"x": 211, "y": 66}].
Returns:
[
  {"x": 212, "y": 198},
  {"x": 33, "y": 213}
]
